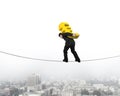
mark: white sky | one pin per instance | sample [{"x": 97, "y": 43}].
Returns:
[{"x": 30, "y": 28}]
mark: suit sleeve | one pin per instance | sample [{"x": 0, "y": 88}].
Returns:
[{"x": 67, "y": 34}]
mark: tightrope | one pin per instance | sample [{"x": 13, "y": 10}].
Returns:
[{"x": 24, "y": 57}]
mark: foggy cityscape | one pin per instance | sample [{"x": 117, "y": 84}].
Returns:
[{"x": 35, "y": 85}]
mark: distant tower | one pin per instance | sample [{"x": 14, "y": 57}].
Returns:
[{"x": 34, "y": 80}]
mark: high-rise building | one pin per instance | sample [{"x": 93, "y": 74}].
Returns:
[{"x": 34, "y": 80}]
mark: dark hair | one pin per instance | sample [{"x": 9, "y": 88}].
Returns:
[{"x": 60, "y": 34}]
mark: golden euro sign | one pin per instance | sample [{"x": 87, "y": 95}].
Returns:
[{"x": 64, "y": 27}]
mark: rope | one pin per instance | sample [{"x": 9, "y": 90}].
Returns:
[
  {"x": 28, "y": 57},
  {"x": 24, "y": 57},
  {"x": 101, "y": 58}
]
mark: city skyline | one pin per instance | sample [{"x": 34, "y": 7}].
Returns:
[{"x": 32, "y": 86}]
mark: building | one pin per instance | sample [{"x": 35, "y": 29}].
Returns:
[{"x": 33, "y": 82}]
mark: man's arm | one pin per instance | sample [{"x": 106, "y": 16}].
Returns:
[{"x": 67, "y": 34}]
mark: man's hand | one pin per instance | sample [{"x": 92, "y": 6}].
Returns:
[{"x": 74, "y": 34}]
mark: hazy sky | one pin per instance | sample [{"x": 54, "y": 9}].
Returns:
[{"x": 30, "y": 28}]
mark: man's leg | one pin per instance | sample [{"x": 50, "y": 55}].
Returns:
[
  {"x": 75, "y": 53},
  {"x": 65, "y": 53}
]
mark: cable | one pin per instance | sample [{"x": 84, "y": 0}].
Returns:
[
  {"x": 28, "y": 57},
  {"x": 101, "y": 58},
  {"x": 57, "y": 60}
]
